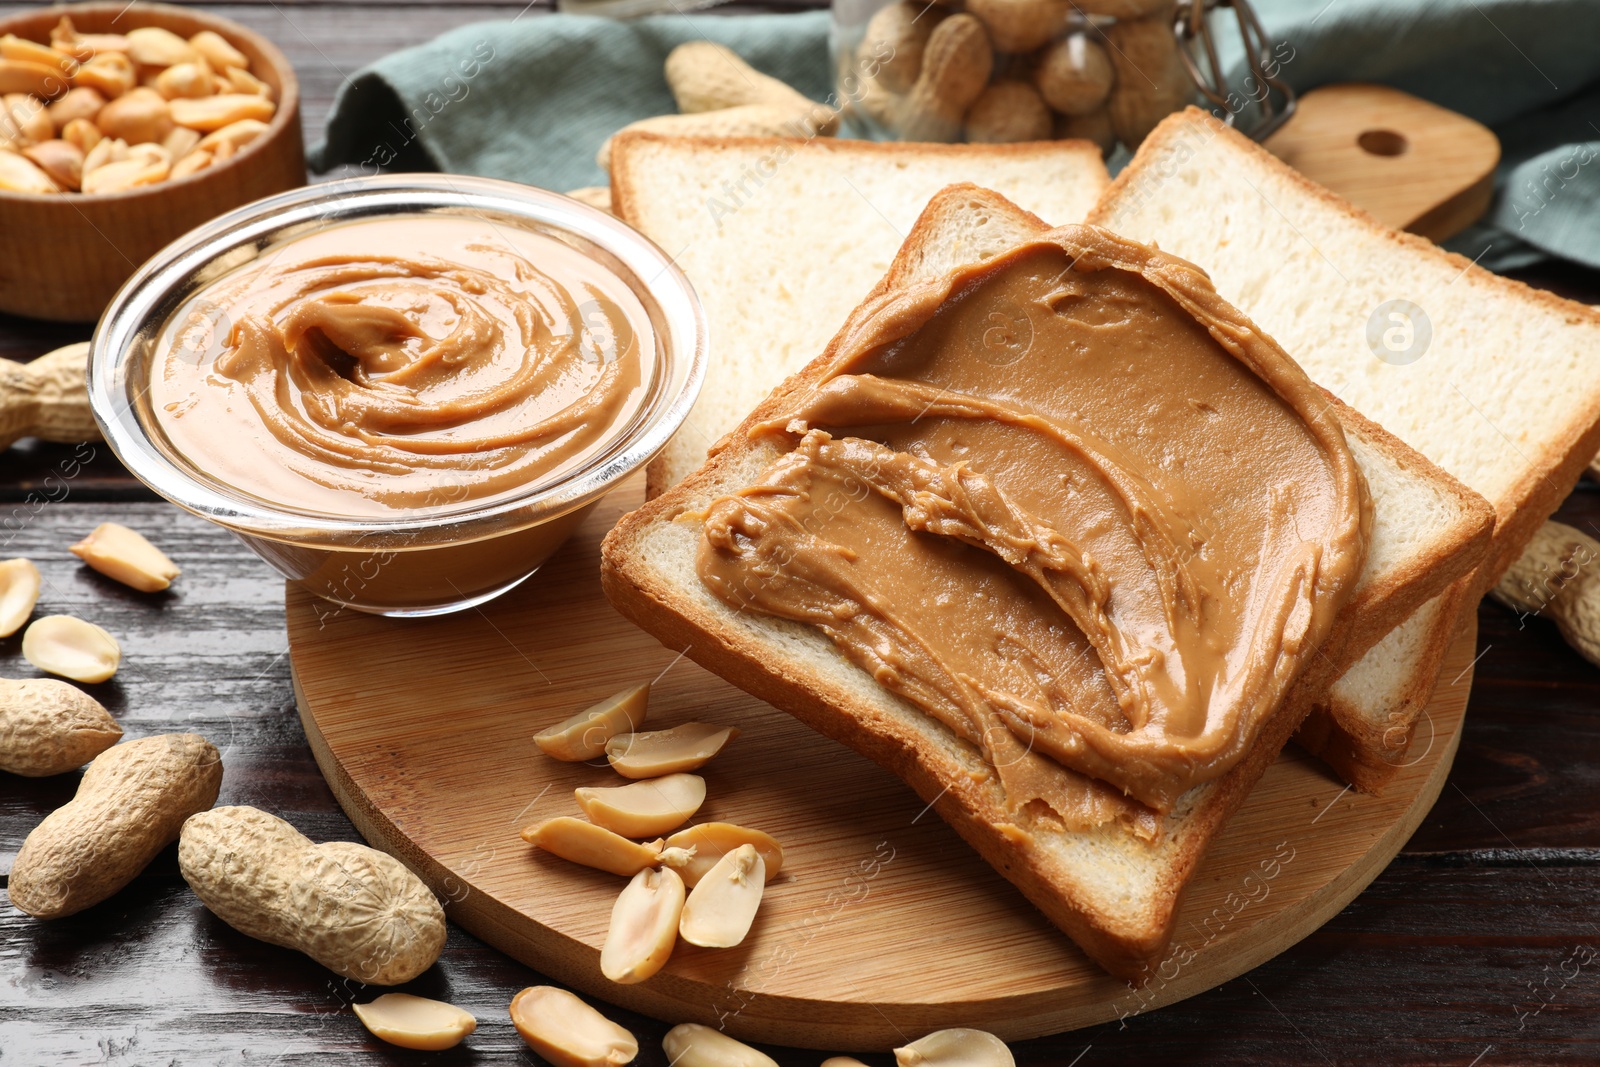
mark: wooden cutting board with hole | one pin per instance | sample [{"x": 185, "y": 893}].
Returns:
[
  {"x": 882, "y": 925},
  {"x": 1414, "y": 165}
]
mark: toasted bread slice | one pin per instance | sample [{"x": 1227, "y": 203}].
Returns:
[
  {"x": 783, "y": 238},
  {"x": 1363, "y": 727},
  {"x": 1111, "y": 891},
  {"x": 1505, "y": 395}
]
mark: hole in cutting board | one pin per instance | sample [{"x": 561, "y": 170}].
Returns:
[{"x": 1383, "y": 142}]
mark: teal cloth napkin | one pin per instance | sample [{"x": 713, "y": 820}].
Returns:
[{"x": 531, "y": 99}]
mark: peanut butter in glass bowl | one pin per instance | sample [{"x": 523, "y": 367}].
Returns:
[{"x": 402, "y": 392}]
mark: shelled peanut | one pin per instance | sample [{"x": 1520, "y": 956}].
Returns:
[
  {"x": 696, "y": 1045},
  {"x": 1002, "y": 71},
  {"x": 109, "y": 112},
  {"x": 703, "y": 884}
]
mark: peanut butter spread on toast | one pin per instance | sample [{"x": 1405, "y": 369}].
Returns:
[{"x": 1069, "y": 503}]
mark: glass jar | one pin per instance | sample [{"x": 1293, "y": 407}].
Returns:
[
  {"x": 998, "y": 71},
  {"x": 419, "y": 561}
]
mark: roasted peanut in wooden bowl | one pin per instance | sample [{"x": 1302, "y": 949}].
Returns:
[{"x": 123, "y": 126}]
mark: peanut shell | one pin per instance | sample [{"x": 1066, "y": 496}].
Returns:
[{"x": 130, "y": 804}]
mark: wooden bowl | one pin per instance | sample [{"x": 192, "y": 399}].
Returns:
[{"x": 63, "y": 256}]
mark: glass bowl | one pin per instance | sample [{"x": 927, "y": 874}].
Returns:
[{"x": 422, "y": 563}]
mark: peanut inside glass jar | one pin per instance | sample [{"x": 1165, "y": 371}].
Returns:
[{"x": 1008, "y": 71}]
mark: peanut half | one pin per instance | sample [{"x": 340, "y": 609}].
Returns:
[
  {"x": 593, "y": 846},
  {"x": 644, "y": 809},
  {"x": 644, "y": 926},
  {"x": 66, "y": 39},
  {"x": 105, "y": 151},
  {"x": 72, "y": 648},
  {"x": 653, "y": 753},
  {"x": 955, "y": 1048},
  {"x": 217, "y": 51},
  {"x": 125, "y": 174},
  {"x": 242, "y": 81},
  {"x": 35, "y": 79},
  {"x": 353, "y": 909},
  {"x": 235, "y": 134},
  {"x": 192, "y": 163},
  {"x": 192, "y": 80},
  {"x": 719, "y": 912},
  {"x": 139, "y": 116},
  {"x": 18, "y": 174},
  {"x": 19, "y": 48},
  {"x": 109, "y": 73},
  {"x": 130, "y": 804},
  {"x": 215, "y": 112},
  {"x": 125, "y": 556},
  {"x": 584, "y": 736},
  {"x": 568, "y": 1032},
  {"x": 80, "y": 103},
  {"x": 415, "y": 1022},
  {"x": 707, "y": 843},
  {"x": 153, "y": 46},
  {"x": 49, "y": 727},
  {"x": 19, "y": 592},
  {"x": 182, "y": 140},
  {"x": 61, "y": 160},
  {"x": 84, "y": 135},
  {"x": 693, "y": 1045},
  {"x": 27, "y": 119},
  {"x": 842, "y": 1061}
]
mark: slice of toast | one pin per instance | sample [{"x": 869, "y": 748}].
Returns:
[
  {"x": 1113, "y": 892},
  {"x": 1504, "y": 394},
  {"x": 1363, "y": 727},
  {"x": 783, "y": 238}
]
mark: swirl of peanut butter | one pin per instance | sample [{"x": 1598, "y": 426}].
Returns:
[
  {"x": 1068, "y": 503},
  {"x": 411, "y": 363}
]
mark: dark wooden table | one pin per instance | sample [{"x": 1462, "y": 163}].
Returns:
[{"x": 1479, "y": 944}]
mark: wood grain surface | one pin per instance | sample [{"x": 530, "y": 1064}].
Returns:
[
  {"x": 423, "y": 729},
  {"x": 1477, "y": 945},
  {"x": 1414, "y": 165}
]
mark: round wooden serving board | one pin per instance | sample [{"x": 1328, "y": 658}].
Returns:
[{"x": 882, "y": 925}]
